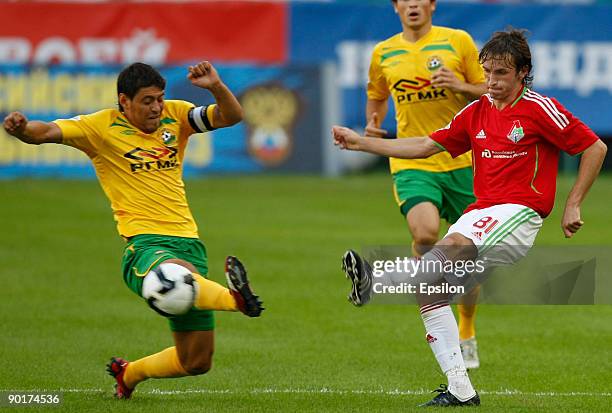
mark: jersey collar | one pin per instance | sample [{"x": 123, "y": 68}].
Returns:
[
  {"x": 425, "y": 39},
  {"x": 120, "y": 117},
  {"x": 520, "y": 96},
  {"x": 512, "y": 105}
]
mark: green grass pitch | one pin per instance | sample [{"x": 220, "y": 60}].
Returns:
[{"x": 65, "y": 311}]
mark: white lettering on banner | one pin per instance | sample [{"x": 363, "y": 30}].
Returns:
[
  {"x": 354, "y": 58},
  {"x": 14, "y": 50},
  {"x": 98, "y": 50},
  {"x": 584, "y": 67},
  {"x": 556, "y": 64},
  {"x": 567, "y": 65},
  {"x": 143, "y": 45},
  {"x": 55, "y": 50},
  {"x": 597, "y": 70},
  {"x": 41, "y": 92}
]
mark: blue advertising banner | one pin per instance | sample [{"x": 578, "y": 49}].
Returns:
[
  {"x": 571, "y": 48},
  {"x": 285, "y": 103},
  {"x": 280, "y": 132}
]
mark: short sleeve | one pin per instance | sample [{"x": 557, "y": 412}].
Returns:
[
  {"x": 559, "y": 127},
  {"x": 81, "y": 132},
  {"x": 377, "y": 84},
  {"x": 454, "y": 137},
  {"x": 473, "y": 71}
]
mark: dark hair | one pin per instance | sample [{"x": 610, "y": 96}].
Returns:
[
  {"x": 510, "y": 45},
  {"x": 135, "y": 77}
]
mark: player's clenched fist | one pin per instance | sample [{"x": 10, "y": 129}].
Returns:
[
  {"x": 203, "y": 75},
  {"x": 15, "y": 123},
  {"x": 345, "y": 138},
  {"x": 571, "y": 222}
]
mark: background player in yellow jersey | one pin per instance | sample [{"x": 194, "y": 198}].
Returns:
[
  {"x": 137, "y": 151},
  {"x": 431, "y": 73}
]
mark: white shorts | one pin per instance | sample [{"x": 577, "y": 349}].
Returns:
[{"x": 502, "y": 233}]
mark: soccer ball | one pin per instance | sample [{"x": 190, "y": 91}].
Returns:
[{"x": 170, "y": 289}]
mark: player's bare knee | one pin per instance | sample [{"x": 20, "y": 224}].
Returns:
[
  {"x": 457, "y": 246},
  {"x": 183, "y": 263},
  {"x": 199, "y": 369},
  {"x": 198, "y": 366},
  {"x": 424, "y": 241}
]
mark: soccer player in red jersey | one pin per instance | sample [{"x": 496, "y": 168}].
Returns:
[
  {"x": 515, "y": 135},
  {"x": 431, "y": 73}
]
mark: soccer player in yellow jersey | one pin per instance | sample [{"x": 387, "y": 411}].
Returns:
[
  {"x": 137, "y": 151},
  {"x": 431, "y": 73}
]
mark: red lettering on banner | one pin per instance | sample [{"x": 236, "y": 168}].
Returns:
[{"x": 157, "y": 33}]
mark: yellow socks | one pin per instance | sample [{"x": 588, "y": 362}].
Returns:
[
  {"x": 467, "y": 314},
  {"x": 163, "y": 364},
  {"x": 213, "y": 296}
]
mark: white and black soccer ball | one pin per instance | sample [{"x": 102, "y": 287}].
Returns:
[{"x": 169, "y": 289}]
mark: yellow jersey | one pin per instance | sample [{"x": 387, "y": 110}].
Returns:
[
  {"x": 403, "y": 70},
  {"x": 141, "y": 173}
]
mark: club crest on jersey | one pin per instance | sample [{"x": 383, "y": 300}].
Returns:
[
  {"x": 167, "y": 137},
  {"x": 434, "y": 63},
  {"x": 516, "y": 133}
]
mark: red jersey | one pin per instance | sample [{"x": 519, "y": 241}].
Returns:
[{"x": 515, "y": 150}]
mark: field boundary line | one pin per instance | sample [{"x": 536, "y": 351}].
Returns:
[{"x": 323, "y": 390}]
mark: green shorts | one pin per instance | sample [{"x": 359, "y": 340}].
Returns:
[
  {"x": 145, "y": 252},
  {"x": 450, "y": 191}
]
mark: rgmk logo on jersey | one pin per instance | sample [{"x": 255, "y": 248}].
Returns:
[
  {"x": 411, "y": 91},
  {"x": 153, "y": 159},
  {"x": 516, "y": 133}
]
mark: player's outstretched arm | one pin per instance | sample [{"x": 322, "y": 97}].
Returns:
[
  {"x": 228, "y": 111},
  {"x": 590, "y": 165},
  {"x": 412, "y": 148},
  {"x": 33, "y": 132}
]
